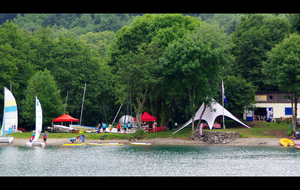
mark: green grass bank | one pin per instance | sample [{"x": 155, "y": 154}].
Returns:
[{"x": 258, "y": 130}]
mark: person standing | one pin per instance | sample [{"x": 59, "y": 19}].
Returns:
[
  {"x": 110, "y": 127},
  {"x": 82, "y": 138},
  {"x": 118, "y": 127},
  {"x": 98, "y": 128},
  {"x": 170, "y": 124},
  {"x": 129, "y": 125},
  {"x": 45, "y": 136},
  {"x": 104, "y": 127},
  {"x": 124, "y": 127}
]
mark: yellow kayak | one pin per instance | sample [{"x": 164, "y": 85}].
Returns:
[
  {"x": 286, "y": 142},
  {"x": 75, "y": 144}
]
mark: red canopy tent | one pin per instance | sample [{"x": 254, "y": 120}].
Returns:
[
  {"x": 65, "y": 118},
  {"x": 147, "y": 117}
]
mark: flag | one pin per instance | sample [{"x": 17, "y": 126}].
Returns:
[{"x": 223, "y": 93}]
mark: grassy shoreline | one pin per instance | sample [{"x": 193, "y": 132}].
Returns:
[{"x": 258, "y": 130}]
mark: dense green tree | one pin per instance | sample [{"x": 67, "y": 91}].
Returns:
[
  {"x": 193, "y": 64},
  {"x": 294, "y": 19},
  {"x": 239, "y": 94},
  {"x": 150, "y": 33},
  {"x": 42, "y": 85},
  {"x": 226, "y": 21},
  {"x": 283, "y": 68},
  {"x": 74, "y": 64},
  {"x": 99, "y": 41},
  {"x": 135, "y": 76},
  {"x": 254, "y": 36}
]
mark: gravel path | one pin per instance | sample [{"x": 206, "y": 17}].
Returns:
[{"x": 157, "y": 141}]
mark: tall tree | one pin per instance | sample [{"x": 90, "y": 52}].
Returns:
[
  {"x": 283, "y": 68},
  {"x": 254, "y": 36},
  {"x": 42, "y": 85},
  {"x": 147, "y": 37},
  {"x": 239, "y": 94},
  {"x": 193, "y": 64}
]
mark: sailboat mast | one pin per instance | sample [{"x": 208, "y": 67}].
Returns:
[
  {"x": 66, "y": 102},
  {"x": 82, "y": 104}
]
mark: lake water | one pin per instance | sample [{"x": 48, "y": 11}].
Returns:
[{"x": 165, "y": 160}]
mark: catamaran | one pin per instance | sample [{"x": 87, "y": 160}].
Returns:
[
  {"x": 38, "y": 124},
  {"x": 10, "y": 117}
]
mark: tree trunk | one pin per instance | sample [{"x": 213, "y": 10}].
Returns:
[
  {"x": 201, "y": 117},
  {"x": 294, "y": 119},
  {"x": 140, "y": 107},
  {"x": 193, "y": 122}
]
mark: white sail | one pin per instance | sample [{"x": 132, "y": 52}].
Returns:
[
  {"x": 38, "y": 119},
  {"x": 10, "y": 114}
]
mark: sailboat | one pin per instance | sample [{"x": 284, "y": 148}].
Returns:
[
  {"x": 38, "y": 124},
  {"x": 10, "y": 117}
]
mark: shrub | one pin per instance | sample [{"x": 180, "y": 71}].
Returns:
[
  {"x": 278, "y": 120},
  {"x": 289, "y": 132},
  {"x": 139, "y": 134}
]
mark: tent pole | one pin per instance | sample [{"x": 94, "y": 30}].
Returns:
[{"x": 223, "y": 104}]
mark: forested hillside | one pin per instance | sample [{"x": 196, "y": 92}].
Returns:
[{"x": 166, "y": 63}]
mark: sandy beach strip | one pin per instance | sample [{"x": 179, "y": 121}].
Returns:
[{"x": 156, "y": 141}]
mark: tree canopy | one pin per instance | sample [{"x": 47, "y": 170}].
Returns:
[{"x": 166, "y": 63}]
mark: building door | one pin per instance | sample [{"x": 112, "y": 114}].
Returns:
[
  {"x": 269, "y": 114},
  {"x": 249, "y": 115}
]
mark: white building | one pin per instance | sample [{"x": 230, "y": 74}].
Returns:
[{"x": 269, "y": 106}]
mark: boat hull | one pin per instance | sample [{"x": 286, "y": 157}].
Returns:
[
  {"x": 141, "y": 144},
  {"x": 6, "y": 139},
  {"x": 75, "y": 144},
  {"x": 157, "y": 129},
  {"x": 35, "y": 144}
]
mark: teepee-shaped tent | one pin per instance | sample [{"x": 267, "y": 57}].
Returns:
[{"x": 210, "y": 114}]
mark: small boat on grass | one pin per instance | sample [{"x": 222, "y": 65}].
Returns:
[
  {"x": 157, "y": 129},
  {"x": 74, "y": 144},
  {"x": 140, "y": 143},
  {"x": 286, "y": 142},
  {"x": 80, "y": 144}
]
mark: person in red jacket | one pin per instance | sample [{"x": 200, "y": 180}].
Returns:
[{"x": 119, "y": 127}]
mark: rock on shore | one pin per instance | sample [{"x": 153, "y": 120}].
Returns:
[{"x": 215, "y": 137}]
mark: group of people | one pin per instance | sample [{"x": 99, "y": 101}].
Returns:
[
  {"x": 104, "y": 126},
  {"x": 124, "y": 127},
  {"x": 81, "y": 137},
  {"x": 45, "y": 136}
]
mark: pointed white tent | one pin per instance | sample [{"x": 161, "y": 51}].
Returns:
[{"x": 210, "y": 114}]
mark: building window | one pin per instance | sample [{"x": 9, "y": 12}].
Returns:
[
  {"x": 271, "y": 97},
  {"x": 288, "y": 111}
]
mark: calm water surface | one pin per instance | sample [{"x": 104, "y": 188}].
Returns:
[{"x": 149, "y": 161}]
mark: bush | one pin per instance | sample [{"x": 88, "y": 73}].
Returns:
[
  {"x": 278, "y": 120},
  {"x": 289, "y": 132},
  {"x": 139, "y": 134}
]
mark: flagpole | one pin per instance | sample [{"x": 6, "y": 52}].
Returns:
[{"x": 223, "y": 104}]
